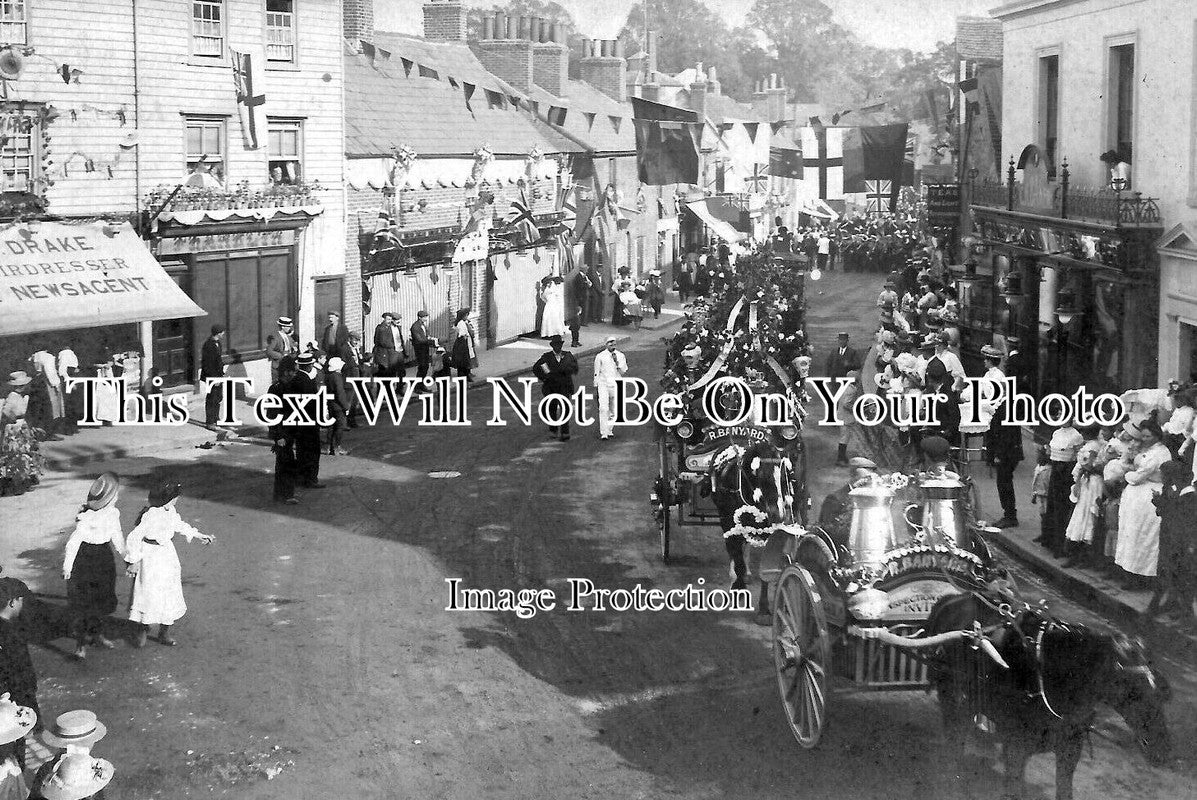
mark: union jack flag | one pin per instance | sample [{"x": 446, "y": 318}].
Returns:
[
  {"x": 521, "y": 220},
  {"x": 877, "y": 196},
  {"x": 758, "y": 181}
]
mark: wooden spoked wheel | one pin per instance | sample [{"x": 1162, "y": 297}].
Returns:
[{"x": 802, "y": 655}]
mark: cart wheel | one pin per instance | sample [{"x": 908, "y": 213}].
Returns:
[
  {"x": 665, "y": 493},
  {"x": 802, "y": 655}
]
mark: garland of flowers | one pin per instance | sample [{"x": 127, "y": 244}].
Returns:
[{"x": 755, "y": 533}]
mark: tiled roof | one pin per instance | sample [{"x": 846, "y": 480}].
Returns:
[
  {"x": 584, "y": 99},
  {"x": 384, "y": 108},
  {"x": 721, "y": 108},
  {"x": 979, "y": 38}
]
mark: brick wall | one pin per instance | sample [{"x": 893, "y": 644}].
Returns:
[
  {"x": 509, "y": 59},
  {"x": 358, "y": 19},
  {"x": 444, "y": 22},
  {"x": 608, "y": 75},
  {"x": 550, "y": 67}
]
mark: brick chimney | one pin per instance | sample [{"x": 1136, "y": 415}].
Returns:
[
  {"x": 697, "y": 93},
  {"x": 550, "y": 58},
  {"x": 444, "y": 21},
  {"x": 357, "y": 20},
  {"x": 713, "y": 84},
  {"x": 604, "y": 67},
  {"x": 508, "y": 51},
  {"x": 769, "y": 99}
]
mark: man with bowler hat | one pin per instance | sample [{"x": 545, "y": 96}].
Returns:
[
  {"x": 307, "y": 437},
  {"x": 843, "y": 359},
  {"x": 212, "y": 366},
  {"x": 389, "y": 348},
  {"x": 556, "y": 370},
  {"x": 283, "y": 436}
]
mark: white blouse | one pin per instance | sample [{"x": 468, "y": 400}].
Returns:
[
  {"x": 1147, "y": 465},
  {"x": 95, "y": 527},
  {"x": 158, "y": 524}
]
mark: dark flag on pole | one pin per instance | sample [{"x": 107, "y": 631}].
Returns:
[
  {"x": 668, "y": 141},
  {"x": 882, "y": 155},
  {"x": 785, "y": 162}
]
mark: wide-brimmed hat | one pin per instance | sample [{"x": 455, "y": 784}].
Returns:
[
  {"x": 283, "y": 321},
  {"x": 860, "y": 462},
  {"x": 335, "y": 364},
  {"x": 989, "y": 351},
  {"x": 19, "y": 378},
  {"x": 74, "y": 727},
  {"x": 1131, "y": 429},
  {"x": 103, "y": 491},
  {"x": 15, "y": 720},
  {"x": 306, "y": 359},
  {"x": 163, "y": 493},
  {"x": 76, "y": 777}
]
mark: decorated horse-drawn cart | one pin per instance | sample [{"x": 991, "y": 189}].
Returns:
[
  {"x": 850, "y": 603},
  {"x": 720, "y": 463}
]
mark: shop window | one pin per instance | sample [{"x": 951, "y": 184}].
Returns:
[
  {"x": 285, "y": 151},
  {"x": 280, "y": 31},
  {"x": 13, "y": 22},
  {"x": 245, "y": 292},
  {"x": 20, "y": 137},
  {"x": 206, "y": 144},
  {"x": 1049, "y": 110},
  {"x": 207, "y": 28},
  {"x": 1122, "y": 100}
]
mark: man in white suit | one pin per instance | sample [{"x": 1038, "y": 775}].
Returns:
[{"x": 609, "y": 366}]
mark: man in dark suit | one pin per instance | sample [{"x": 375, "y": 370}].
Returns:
[
  {"x": 338, "y": 405},
  {"x": 1018, "y": 366},
  {"x": 577, "y": 294},
  {"x": 283, "y": 436},
  {"x": 18, "y": 679},
  {"x": 307, "y": 437},
  {"x": 212, "y": 366},
  {"x": 595, "y": 295},
  {"x": 556, "y": 370},
  {"x": 389, "y": 348},
  {"x": 421, "y": 344},
  {"x": 843, "y": 359},
  {"x": 281, "y": 345},
  {"x": 1003, "y": 445},
  {"x": 335, "y": 338}
]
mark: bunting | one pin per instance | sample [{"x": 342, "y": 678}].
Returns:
[
  {"x": 453, "y": 82},
  {"x": 493, "y": 99},
  {"x": 751, "y": 128},
  {"x": 589, "y": 119},
  {"x": 514, "y": 100},
  {"x": 428, "y": 72},
  {"x": 407, "y": 65},
  {"x": 468, "y": 88},
  {"x": 557, "y": 116},
  {"x": 774, "y": 127},
  {"x": 615, "y": 122}
]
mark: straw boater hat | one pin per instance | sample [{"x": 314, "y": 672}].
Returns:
[
  {"x": 989, "y": 351},
  {"x": 19, "y": 378},
  {"x": 15, "y": 721},
  {"x": 103, "y": 491},
  {"x": 77, "y": 777},
  {"x": 305, "y": 360},
  {"x": 74, "y": 728},
  {"x": 284, "y": 321},
  {"x": 163, "y": 493}
]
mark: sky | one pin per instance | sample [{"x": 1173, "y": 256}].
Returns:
[{"x": 916, "y": 24}]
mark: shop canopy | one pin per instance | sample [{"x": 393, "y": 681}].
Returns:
[{"x": 61, "y": 277}]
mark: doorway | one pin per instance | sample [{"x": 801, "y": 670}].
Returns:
[
  {"x": 328, "y": 295},
  {"x": 172, "y": 337}
]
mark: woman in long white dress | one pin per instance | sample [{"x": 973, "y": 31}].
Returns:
[
  {"x": 1087, "y": 490},
  {"x": 553, "y": 322},
  {"x": 154, "y": 564},
  {"x": 1138, "y": 523}
]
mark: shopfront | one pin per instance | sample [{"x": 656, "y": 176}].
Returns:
[
  {"x": 1079, "y": 285},
  {"x": 246, "y": 275},
  {"x": 1178, "y": 317}
]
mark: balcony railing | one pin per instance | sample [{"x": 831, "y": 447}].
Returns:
[{"x": 1070, "y": 201}]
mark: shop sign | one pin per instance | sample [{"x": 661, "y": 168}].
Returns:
[
  {"x": 223, "y": 242},
  {"x": 943, "y": 204}
]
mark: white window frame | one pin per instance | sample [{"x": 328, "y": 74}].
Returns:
[
  {"x": 1041, "y": 106},
  {"x": 31, "y": 154},
  {"x": 1110, "y": 110},
  {"x": 272, "y": 158},
  {"x": 221, "y": 160},
  {"x": 282, "y": 63},
  {"x": 14, "y": 15},
  {"x": 194, "y": 34}
]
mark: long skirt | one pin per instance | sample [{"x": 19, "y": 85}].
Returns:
[
  {"x": 1084, "y": 515},
  {"x": 1059, "y": 504},
  {"x": 1138, "y": 549},
  {"x": 158, "y": 590},
  {"x": 91, "y": 591},
  {"x": 1111, "y": 512}
]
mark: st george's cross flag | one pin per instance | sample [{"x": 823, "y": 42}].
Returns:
[
  {"x": 830, "y": 162},
  {"x": 250, "y": 79}
]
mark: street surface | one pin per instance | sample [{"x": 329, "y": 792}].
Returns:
[{"x": 317, "y": 660}]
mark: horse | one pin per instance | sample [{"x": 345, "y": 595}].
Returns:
[
  {"x": 753, "y": 487},
  {"x": 1045, "y": 698}
]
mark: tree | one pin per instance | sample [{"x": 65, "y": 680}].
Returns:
[{"x": 804, "y": 38}]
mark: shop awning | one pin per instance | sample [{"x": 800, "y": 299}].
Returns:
[{"x": 61, "y": 277}]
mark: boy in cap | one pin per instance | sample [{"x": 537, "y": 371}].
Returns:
[{"x": 17, "y": 676}]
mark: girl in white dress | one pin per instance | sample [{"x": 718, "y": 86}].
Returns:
[
  {"x": 553, "y": 322},
  {"x": 154, "y": 564},
  {"x": 88, "y": 566},
  {"x": 1087, "y": 489},
  {"x": 1138, "y": 523}
]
